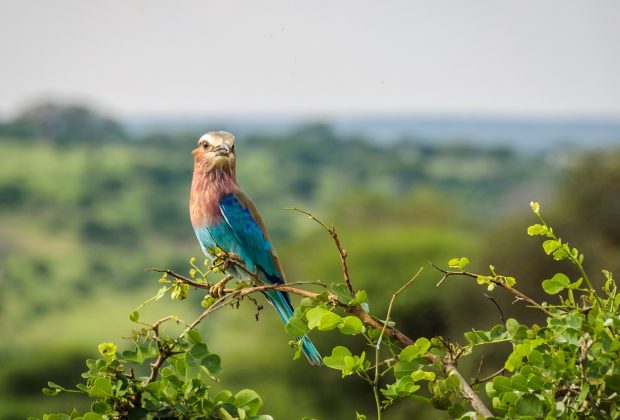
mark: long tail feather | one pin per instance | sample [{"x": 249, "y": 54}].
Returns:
[{"x": 285, "y": 310}]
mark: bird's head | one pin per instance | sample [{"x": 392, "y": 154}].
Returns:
[{"x": 215, "y": 151}]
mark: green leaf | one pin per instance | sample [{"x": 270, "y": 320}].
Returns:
[
  {"x": 456, "y": 411},
  {"x": 463, "y": 262},
  {"x": 512, "y": 325},
  {"x": 484, "y": 279},
  {"x": 213, "y": 363},
  {"x": 193, "y": 336},
  {"x": 576, "y": 283},
  {"x": 459, "y": 263},
  {"x": 515, "y": 330},
  {"x": 307, "y": 302},
  {"x": 529, "y": 405},
  {"x": 501, "y": 384},
  {"x": 249, "y": 401},
  {"x": 100, "y": 407},
  {"x": 199, "y": 351},
  {"x": 102, "y": 388},
  {"x": 453, "y": 262},
  {"x": 472, "y": 337},
  {"x": 441, "y": 402},
  {"x": 330, "y": 321},
  {"x": 422, "y": 375},
  {"x": 223, "y": 396},
  {"x": 50, "y": 392},
  {"x": 134, "y": 316},
  {"x": 336, "y": 360},
  {"x": 155, "y": 388},
  {"x": 314, "y": 316},
  {"x": 537, "y": 229},
  {"x": 224, "y": 411},
  {"x": 560, "y": 254},
  {"x": 351, "y": 325},
  {"x": 515, "y": 359},
  {"x": 519, "y": 383},
  {"x": 556, "y": 284},
  {"x": 510, "y": 281},
  {"x": 296, "y": 327},
  {"x": 323, "y": 319},
  {"x": 417, "y": 349},
  {"x": 497, "y": 332},
  {"x": 361, "y": 298},
  {"x": 342, "y": 292},
  {"x": 551, "y": 245},
  {"x": 402, "y": 369},
  {"x": 403, "y": 387}
]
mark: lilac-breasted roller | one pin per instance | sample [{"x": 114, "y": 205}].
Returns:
[{"x": 223, "y": 216}]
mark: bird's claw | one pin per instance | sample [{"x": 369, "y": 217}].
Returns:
[
  {"x": 217, "y": 290},
  {"x": 232, "y": 258}
]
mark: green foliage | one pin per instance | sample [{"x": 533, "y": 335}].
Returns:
[
  {"x": 180, "y": 387},
  {"x": 566, "y": 368},
  {"x": 81, "y": 218}
]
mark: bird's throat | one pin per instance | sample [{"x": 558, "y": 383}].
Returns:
[{"x": 207, "y": 189}]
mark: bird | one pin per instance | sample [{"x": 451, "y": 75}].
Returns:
[{"x": 223, "y": 217}]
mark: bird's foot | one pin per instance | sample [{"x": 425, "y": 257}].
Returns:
[
  {"x": 217, "y": 290},
  {"x": 235, "y": 259}
]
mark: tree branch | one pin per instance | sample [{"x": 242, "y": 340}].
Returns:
[
  {"x": 341, "y": 251},
  {"x": 513, "y": 291},
  {"x": 449, "y": 366},
  {"x": 162, "y": 354}
]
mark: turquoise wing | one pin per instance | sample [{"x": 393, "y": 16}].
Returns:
[{"x": 249, "y": 230}]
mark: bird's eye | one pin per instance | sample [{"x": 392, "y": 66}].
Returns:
[
  {"x": 205, "y": 145},
  {"x": 232, "y": 149}
]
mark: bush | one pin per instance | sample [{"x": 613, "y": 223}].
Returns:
[{"x": 565, "y": 368}]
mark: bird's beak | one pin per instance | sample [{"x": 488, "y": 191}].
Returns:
[{"x": 223, "y": 150}]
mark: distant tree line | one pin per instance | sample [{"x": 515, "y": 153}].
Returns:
[{"x": 63, "y": 124}]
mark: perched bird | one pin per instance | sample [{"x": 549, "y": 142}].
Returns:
[{"x": 224, "y": 217}]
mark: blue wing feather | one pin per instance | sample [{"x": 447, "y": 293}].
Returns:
[
  {"x": 244, "y": 233},
  {"x": 251, "y": 235}
]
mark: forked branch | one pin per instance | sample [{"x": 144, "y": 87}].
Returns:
[
  {"x": 341, "y": 251},
  {"x": 230, "y": 295},
  {"x": 509, "y": 289}
]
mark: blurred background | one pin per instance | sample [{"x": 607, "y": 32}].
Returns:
[{"x": 421, "y": 130}]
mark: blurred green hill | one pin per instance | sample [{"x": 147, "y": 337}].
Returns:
[{"x": 85, "y": 208}]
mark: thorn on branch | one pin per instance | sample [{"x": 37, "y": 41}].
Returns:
[
  {"x": 501, "y": 313},
  {"x": 488, "y": 378}
]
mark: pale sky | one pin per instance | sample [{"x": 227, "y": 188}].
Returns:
[{"x": 525, "y": 57}]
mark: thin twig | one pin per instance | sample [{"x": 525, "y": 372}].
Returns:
[
  {"x": 501, "y": 313},
  {"x": 341, "y": 251},
  {"x": 162, "y": 353},
  {"x": 449, "y": 366},
  {"x": 375, "y": 381},
  {"x": 515, "y": 292},
  {"x": 181, "y": 278},
  {"x": 488, "y": 378}
]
